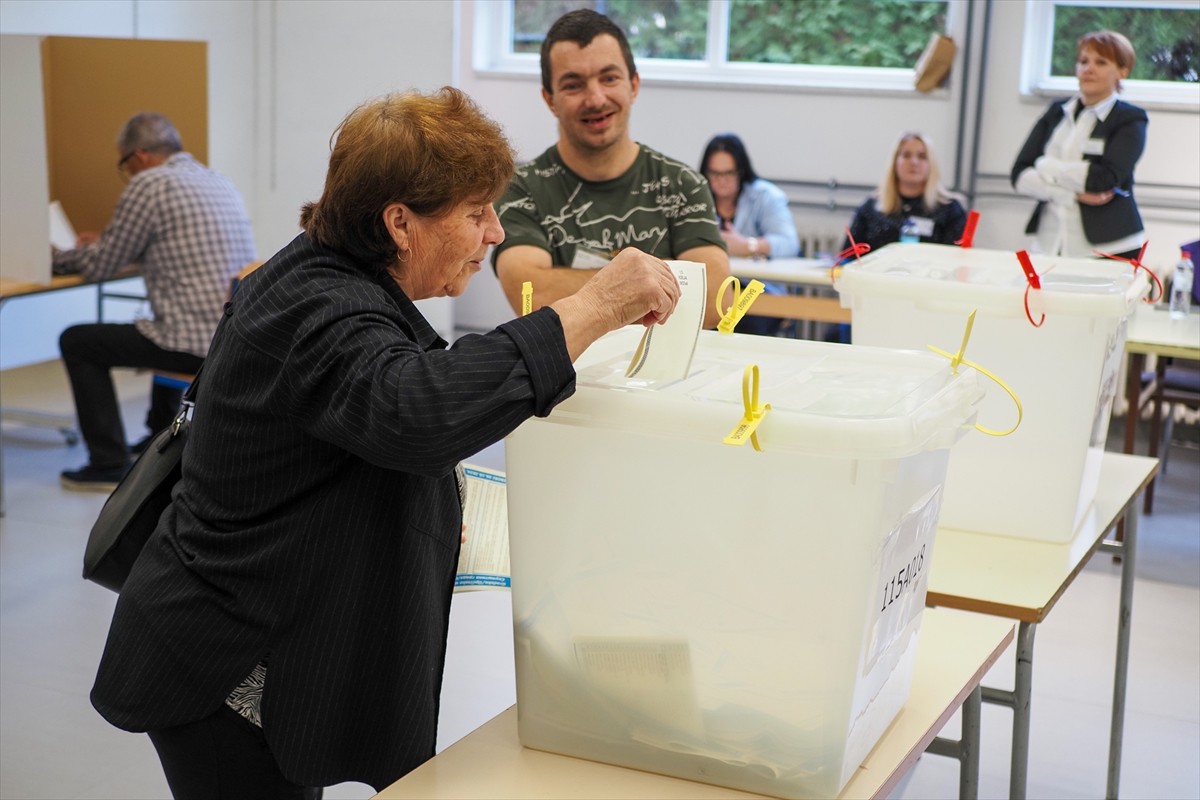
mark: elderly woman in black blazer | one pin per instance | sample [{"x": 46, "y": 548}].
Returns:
[
  {"x": 285, "y": 627},
  {"x": 1078, "y": 162}
]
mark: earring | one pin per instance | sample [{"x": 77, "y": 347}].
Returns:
[{"x": 401, "y": 256}]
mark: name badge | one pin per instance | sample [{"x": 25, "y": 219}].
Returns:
[
  {"x": 924, "y": 225},
  {"x": 1093, "y": 147},
  {"x": 589, "y": 259}
]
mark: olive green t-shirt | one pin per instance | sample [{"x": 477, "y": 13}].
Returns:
[{"x": 659, "y": 206}]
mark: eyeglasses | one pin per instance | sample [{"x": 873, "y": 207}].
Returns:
[
  {"x": 124, "y": 159},
  {"x": 725, "y": 173}
]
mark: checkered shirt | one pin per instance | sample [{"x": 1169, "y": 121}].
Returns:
[{"x": 187, "y": 227}]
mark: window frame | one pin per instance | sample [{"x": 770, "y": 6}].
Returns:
[
  {"x": 493, "y": 30},
  {"x": 1037, "y": 49}
]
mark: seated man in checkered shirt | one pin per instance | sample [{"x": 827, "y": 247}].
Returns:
[{"x": 187, "y": 227}]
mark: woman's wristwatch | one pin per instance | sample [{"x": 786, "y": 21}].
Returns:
[{"x": 752, "y": 243}]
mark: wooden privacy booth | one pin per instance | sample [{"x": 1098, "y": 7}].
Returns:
[{"x": 83, "y": 90}]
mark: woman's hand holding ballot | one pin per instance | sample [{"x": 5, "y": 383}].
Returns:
[{"x": 633, "y": 287}]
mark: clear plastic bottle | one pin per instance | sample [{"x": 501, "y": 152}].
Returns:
[
  {"x": 1181, "y": 286},
  {"x": 908, "y": 232}
]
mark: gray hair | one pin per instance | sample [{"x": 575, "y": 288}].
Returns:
[{"x": 149, "y": 132}]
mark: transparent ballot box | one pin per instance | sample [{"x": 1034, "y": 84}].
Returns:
[
  {"x": 1038, "y": 482},
  {"x": 741, "y": 617}
]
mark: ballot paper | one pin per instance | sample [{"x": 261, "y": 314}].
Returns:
[
  {"x": 483, "y": 560},
  {"x": 665, "y": 352},
  {"x": 62, "y": 233}
]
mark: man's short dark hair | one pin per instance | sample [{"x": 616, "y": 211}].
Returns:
[{"x": 581, "y": 26}]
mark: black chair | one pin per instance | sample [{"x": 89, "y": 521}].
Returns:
[{"x": 1175, "y": 380}]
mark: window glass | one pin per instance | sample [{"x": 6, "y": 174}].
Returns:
[
  {"x": 852, "y": 45},
  {"x": 858, "y": 33},
  {"x": 1164, "y": 38},
  {"x": 672, "y": 29}
]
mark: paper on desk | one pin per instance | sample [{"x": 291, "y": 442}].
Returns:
[
  {"x": 665, "y": 352},
  {"x": 62, "y": 232}
]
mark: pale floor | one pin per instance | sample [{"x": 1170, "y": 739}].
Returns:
[{"x": 53, "y": 624}]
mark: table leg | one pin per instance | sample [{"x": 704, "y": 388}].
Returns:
[
  {"x": 1019, "y": 700},
  {"x": 968, "y": 776},
  {"x": 1133, "y": 392},
  {"x": 1022, "y": 698},
  {"x": 1128, "y": 549},
  {"x": 966, "y": 748},
  {"x": 1156, "y": 426}
]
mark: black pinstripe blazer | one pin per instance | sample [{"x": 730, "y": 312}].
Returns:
[
  {"x": 1124, "y": 134},
  {"x": 317, "y": 523}
]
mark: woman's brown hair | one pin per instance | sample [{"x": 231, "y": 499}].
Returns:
[{"x": 428, "y": 151}]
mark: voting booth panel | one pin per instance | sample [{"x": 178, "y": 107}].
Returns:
[
  {"x": 1061, "y": 360},
  {"x": 92, "y": 87},
  {"x": 717, "y": 613},
  {"x": 65, "y": 99}
]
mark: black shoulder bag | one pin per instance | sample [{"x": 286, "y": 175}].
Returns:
[{"x": 132, "y": 511}]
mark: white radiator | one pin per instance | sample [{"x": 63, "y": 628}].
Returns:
[{"x": 821, "y": 243}]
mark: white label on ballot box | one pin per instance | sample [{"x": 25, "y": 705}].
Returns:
[
  {"x": 1113, "y": 358},
  {"x": 903, "y": 575}
]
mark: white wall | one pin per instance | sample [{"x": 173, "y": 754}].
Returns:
[{"x": 317, "y": 61}]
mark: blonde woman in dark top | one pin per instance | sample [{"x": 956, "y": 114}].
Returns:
[
  {"x": 910, "y": 205},
  {"x": 911, "y": 193}
]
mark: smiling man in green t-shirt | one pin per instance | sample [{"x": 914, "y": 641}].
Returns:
[{"x": 596, "y": 191}]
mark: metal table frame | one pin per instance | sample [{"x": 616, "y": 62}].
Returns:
[{"x": 974, "y": 572}]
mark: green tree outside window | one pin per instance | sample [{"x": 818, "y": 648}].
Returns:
[
  {"x": 1164, "y": 38},
  {"x": 849, "y": 33},
  {"x": 655, "y": 28},
  {"x": 857, "y": 33}
]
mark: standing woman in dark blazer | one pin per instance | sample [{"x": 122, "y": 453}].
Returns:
[
  {"x": 1078, "y": 161},
  {"x": 285, "y": 627}
]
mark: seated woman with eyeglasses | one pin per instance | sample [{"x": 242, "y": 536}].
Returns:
[{"x": 753, "y": 214}]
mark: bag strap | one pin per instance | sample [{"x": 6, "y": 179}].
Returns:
[
  {"x": 189, "y": 402},
  {"x": 189, "y": 394}
]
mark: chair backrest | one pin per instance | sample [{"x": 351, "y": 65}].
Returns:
[
  {"x": 180, "y": 380},
  {"x": 242, "y": 273}
]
